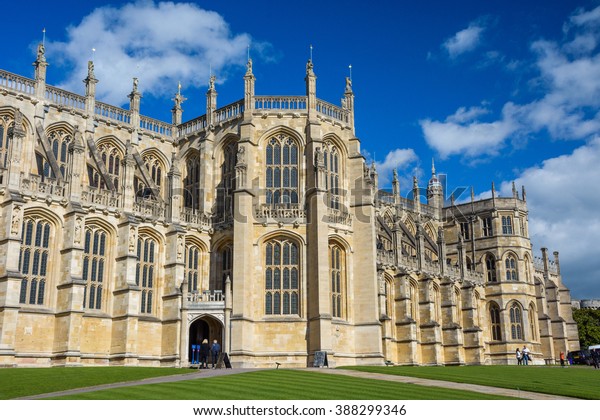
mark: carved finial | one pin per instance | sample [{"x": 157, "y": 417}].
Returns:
[
  {"x": 432, "y": 167},
  {"x": 249, "y": 67},
  {"x": 349, "y": 84},
  {"x": 309, "y": 68},
  {"x": 135, "y": 84},
  {"x": 523, "y": 193},
  {"x": 41, "y": 51},
  {"x": 415, "y": 183},
  {"x": 472, "y": 194},
  {"x": 394, "y": 175},
  {"x": 493, "y": 189},
  {"x": 91, "y": 70},
  {"x": 514, "y": 190},
  {"x": 211, "y": 82}
]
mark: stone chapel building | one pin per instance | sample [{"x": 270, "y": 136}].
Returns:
[{"x": 124, "y": 240}]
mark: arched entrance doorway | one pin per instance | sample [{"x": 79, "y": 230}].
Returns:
[{"x": 204, "y": 327}]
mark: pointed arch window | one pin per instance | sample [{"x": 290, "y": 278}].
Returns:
[
  {"x": 332, "y": 161},
  {"x": 6, "y": 127},
  {"x": 156, "y": 172},
  {"x": 227, "y": 185},
  {"x": 112, "y": 158},
  {"x": 191, "y": 183},
  {"x": 60, "y": 141},
  {"x": 510, "y": 264},
  {"x": 282, "y": 278},
  {"x": 193, "y": 267},
  {"x": 94, "y": 267},
  {"x": 507, "y": 225},
  {"x": 225, "y": 266},
  {"x": 490, "y": 268},
  {"x": 495, "y": 322},
  {"x": 516, "y": 322},
  {"x": 337, "y": 273},
  {"x": 34, "y": 258},
  {"x": 282, "y": 170},
  {"x": 146, "y": 271}
]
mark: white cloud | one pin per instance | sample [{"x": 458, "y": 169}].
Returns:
[
  {"x": 160, "y": 43},
  {"x": 462, "y": 133},
  {"x": 464, "y": 41},
  {"x": 567, "y": 105},
  {"x": 563, "y": 202},
  {"x": 400, "y": 159}
]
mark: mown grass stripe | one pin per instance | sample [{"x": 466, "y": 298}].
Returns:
[
  {"x": 577, "y": 382},
  {"x": 281, "y": 385}
]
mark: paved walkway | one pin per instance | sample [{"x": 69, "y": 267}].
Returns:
[{"x": 208, "y": 373}]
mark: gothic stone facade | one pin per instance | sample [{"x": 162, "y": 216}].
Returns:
[{"x": 124, "y": 240}]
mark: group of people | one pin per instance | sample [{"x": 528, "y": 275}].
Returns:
[
  {"x": 592, "y": 360},
  {"x": 206, "y": 351},
  {"x": 523, "y": 356}
]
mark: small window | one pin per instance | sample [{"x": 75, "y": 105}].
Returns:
[
  {"x": 507, "y": 225},
  {"x": 487, "y": 226}
]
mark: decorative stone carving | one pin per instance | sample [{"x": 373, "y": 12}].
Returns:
[
  {"x": 180, "y": 247},
  {"x": 77, "y": 230},
  {"x": 16, "y": 221},
  {"x": 241, "y": 155},
  {"x": 132, "y": 237}
]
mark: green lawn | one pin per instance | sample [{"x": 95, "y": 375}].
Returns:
[
  {"x": 282, "y": 384},
  {"x": 578, "y": 382},
  {"x": 19, "y": 382}
]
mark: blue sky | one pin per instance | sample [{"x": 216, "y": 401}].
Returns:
[{"x": 493, "y": 90}]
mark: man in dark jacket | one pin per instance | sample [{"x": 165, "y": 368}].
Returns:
[{"x": 215, "y": 349}]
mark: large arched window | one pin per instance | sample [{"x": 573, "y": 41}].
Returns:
[
  {"x": 332, "y": 162},
  {"x": 282, "y": 170},
  {"x": 227, "y": 185},
  {"x": 155, "y": 171},
  {"x": 60, "y": 141},
  {"x": 282, "y": 278},
  {"x": 145, "y": 275},
  {"x": 193, "y": 267},
  {"x": 490, "y": 268},
  {"x": 337, "y": 271},
  {"x": 94, "y": 266},
  {"x": 516, "y": 322},
  {"x": 33, "y": 260},
  {"x": 495, "y": 322},
  {"x": 510, "y": 263},
  {"x": 191, "y": 183},
  {"x": 5, "y": 128}
]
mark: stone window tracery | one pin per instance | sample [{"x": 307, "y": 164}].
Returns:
[
  {"x": 282, "y": 170},
  {"x": 282, "y": 278},
  {"x": 507, "y": 225},
  {"x": 332, "y": 161},
  {"x": 6, "y": 126},
  {"x": 34, "y": 260},
  {"x": 337, "y": 271},
  {"x": 510, "y": 264},
  {"x": 191, "y": 183},
  {"x": 495, "y": 322},
  {"x": 516, "y": 322},
  {"x": 227, "y": 185},
  {"x": 490, "y": 268},
  {"x": 193, "y": 266},
  {"x": 94, "y": 266},
  {"x": 145, "y": 275}
]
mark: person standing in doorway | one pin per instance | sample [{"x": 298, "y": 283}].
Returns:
[
  {"x": 215, "y": 349},
  {"x": 204, "y": 350}
]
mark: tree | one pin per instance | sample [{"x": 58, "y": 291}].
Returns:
[{"x": 588, "y": 323}]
